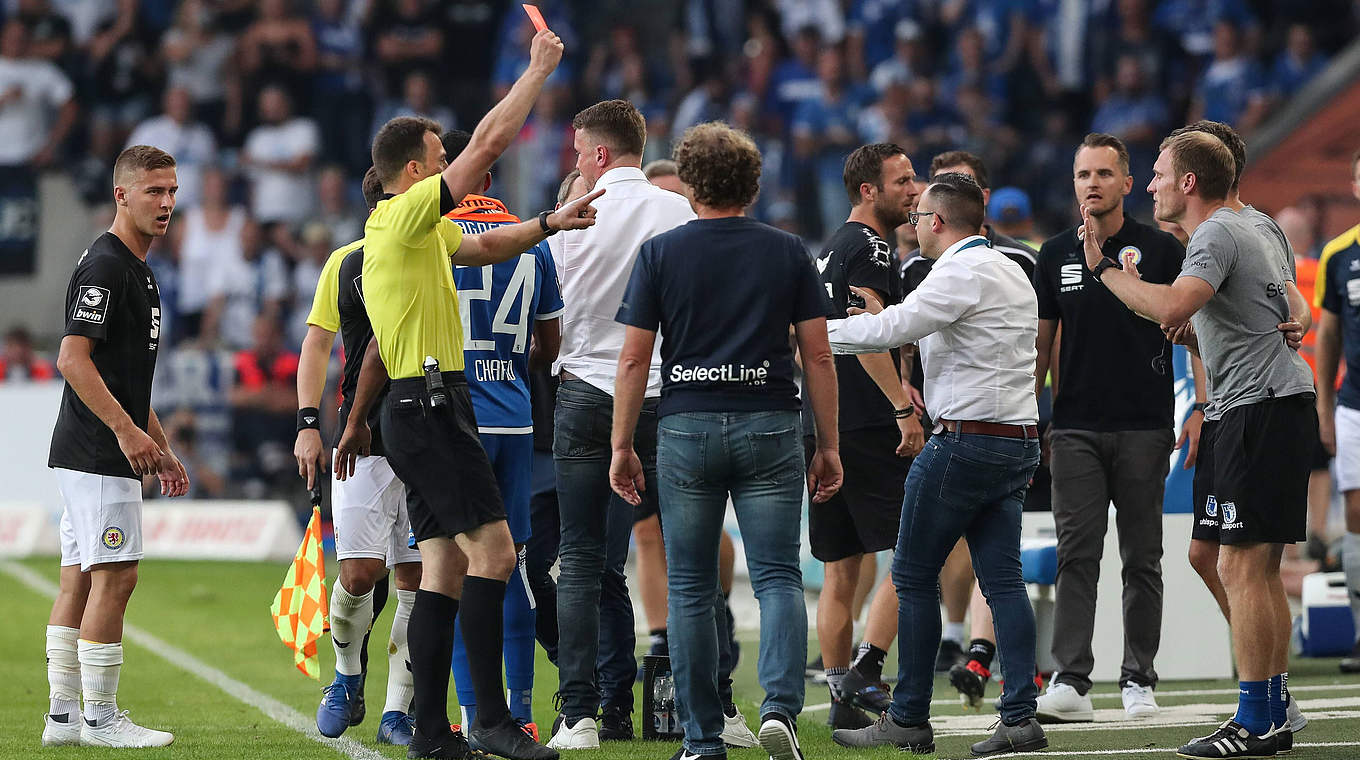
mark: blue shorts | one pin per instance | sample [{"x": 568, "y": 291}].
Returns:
[{"x": 512, "y": 459}]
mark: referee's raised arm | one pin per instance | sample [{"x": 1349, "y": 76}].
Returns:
[{"x": 498, "y": 128}]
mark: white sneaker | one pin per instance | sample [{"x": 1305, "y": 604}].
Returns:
[
  {"x": 58, "y": 734},
  {"x": 584, "y": 735},
  {"x": 122, "y": 732},
  {"x": 1138, "y": 701},
  {"x": 1062, "y": 704},
  {"x": 1297, "y": 720},
  {"x": 736, "y": 733}
]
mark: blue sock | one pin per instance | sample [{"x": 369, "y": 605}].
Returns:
[
  {"x": 1277, "y": 703},
  {"x": 462, "y": 677},
  {"x": 520, "y": 622},
  {"x": 1253, "y": 706}
]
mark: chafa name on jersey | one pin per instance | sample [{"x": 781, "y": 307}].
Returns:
[{"x": 493, "y": 370}]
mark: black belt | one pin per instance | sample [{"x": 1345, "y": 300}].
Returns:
[{"x": 408, "y": 385}]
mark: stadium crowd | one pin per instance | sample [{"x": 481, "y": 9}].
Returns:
[{"x": 270, "y": 107}]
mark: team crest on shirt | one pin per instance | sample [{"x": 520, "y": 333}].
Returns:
[
  {"x": 114, "y": 538},
  {"x": 92, "y": 306},
  {"x": 1130, "y": 254}
]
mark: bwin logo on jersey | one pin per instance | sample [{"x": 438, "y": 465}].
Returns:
[{"x": 1211, "y": 506}]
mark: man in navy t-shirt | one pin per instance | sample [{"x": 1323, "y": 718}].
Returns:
[{"x": 728, "y": 424}]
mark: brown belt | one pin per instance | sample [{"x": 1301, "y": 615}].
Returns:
[
  {"x": 991, "y": 428},
  {"x": 565, "y": 375}
]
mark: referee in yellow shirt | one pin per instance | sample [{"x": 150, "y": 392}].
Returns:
[{"x": 429, "y": 431}]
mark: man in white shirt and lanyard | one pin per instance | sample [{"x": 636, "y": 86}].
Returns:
[
  {"x": 595, "y": 267},
  {"x": 975, "y": 319}
]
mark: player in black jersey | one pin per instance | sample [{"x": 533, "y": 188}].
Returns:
[
  {"x": 878, "y": 424},
  {"x": 106, "y": 438},
  {"x": 368, "y": 510}
]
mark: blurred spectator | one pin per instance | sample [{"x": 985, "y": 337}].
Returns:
[
  {"x": 338, "y": 213},
  {"x": 191, "y": 143},
  {"x": 886, "y": 120},
  {"x": 1133, "y": 35},
  {"x": 825, "y": 16},
  {"x": 707, "y": 102},
  {"x": 36, "y": 104},
  {"x": 873, "y": 31},
  {"x": 263, "y": 400},
  {"x": 278, "y": 155},
  {"x": 417, "y": 99},
  {"x": 909, "y": 58},
  {"x": 1137, "y": 115},
  {"x": 512, "y": 52},
  {"x": 972, "y": 70},
  {"x": 208, "y": 238},
  {"x": 666, "y": 175},
  {"x": 205, "y": 481},
  {"x": 242, "y": 290},
  {"x": 1233, "y": 89},
  {"x": 315, "y": 246},
  {"x": 121, "y": 67},
  {"x": 1298, "y": 230},
  {"x": 406, "y": 38},
  {"x": 278, "y": 49},
  {"x": 93, "y": 172},
  {"x": 794, "y": 81},
  {"x": 935, "y": 126},
  {"x": 1299, "y": 62},
  {"x": 1010, "y": 214},
  {"x": 199, "y": 58},
  {"x": 824, "y": 133},
  {"x": 1002, "y": 23},
  {"x": 339, "y": 101},
  {"x": 49, "y": 33},
  {"x": 1193, "y": 22},
  {"x": 20, "y": 362}
]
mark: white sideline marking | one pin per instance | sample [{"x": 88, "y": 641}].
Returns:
[
  {"x": 1116, "y": 695},
  {"x": 1146, "y": 750},
  {"x": 272, "y": 708}
]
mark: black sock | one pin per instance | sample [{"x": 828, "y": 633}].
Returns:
[
  {"x": 430, "y": 637},
  {"x": 870, "y": 663},
  {"x": 983, "y": 651},
  {"x": 483, "y": 603},
  {"x": 379, "y": 601}
]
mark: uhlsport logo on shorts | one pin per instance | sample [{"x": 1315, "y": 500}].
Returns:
[{"x": 114, "y": 538}]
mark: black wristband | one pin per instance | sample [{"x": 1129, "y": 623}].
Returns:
[
  {"x": 905, "y": 412},
  {"x": 1198, "y": 407},
  {"x": 308, "y": 418},
  {"x": 543, "y": 223}
]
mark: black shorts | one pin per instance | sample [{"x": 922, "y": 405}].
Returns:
[
  {"x": 1322, "y": 461},
  {"x": 863, "y": 516},
  {"x": 437, "y": 453},
  {"x": 1251, "y": 477}
]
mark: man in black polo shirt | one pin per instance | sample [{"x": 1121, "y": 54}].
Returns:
[
  {"x": 1111, "y": 435},
  {"x": 879, "y": 427}
]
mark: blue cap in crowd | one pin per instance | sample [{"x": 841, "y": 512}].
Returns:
[{"x": 1009, "y": 205}]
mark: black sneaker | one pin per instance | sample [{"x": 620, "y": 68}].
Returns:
[
  {"x": 450, "y": 746},
  {"x": 845, "y": 715},
  {"x": 815, "y": 671},
  {"x": 616, "y": 725},
  {"x": 779, "y": 737},
  {"x": 1231, "y": 740},
  {"x": 950, "y": 654},
  {"x": 506, "y": 739},
  {"x": 971, "y": 681},
  {"x": 1284, "y": 739},
  {"x": 1027, "y": 736},
  {"x": 886, "y": 732},
  {"x": 866, "y": 694},
  {"x": 1351, "y": 664}
]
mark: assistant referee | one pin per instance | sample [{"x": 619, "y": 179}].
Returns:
[{"x": 429, "y": 430}]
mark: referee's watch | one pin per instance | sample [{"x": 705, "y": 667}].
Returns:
[
  {"x": 1105, "y": 263},
  {"x": 543, "y": 223}
]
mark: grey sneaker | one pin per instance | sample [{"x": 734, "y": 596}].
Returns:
[
  {"x": 1027, "y": 736},
  {"x": 885, "y": 731}
]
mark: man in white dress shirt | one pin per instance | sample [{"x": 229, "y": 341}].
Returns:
[{"x": 975, "y": 318}]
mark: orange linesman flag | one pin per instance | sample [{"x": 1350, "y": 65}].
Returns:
[{"x": 299, "y": 608}]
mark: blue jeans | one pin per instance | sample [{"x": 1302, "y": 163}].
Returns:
[
  {"x": 757, "y": 458},
  {"x": 972, "y": 486},
  {"x": 594, "y": 613}
]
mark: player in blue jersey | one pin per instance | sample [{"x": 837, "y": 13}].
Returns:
[{"x": 511, "y": 315}]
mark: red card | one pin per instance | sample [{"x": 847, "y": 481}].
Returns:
[{"x": 535, "y": 16}]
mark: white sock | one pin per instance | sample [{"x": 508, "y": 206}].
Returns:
[
  {"x": 1350, "y": 561},
  {"x": 100, "y": 665},
  {"x": 350, "y": 618},
  {"x": 63, "y": 671},
  {"x": 953, "y": 632},
  {"x": 400, "y": 687}
]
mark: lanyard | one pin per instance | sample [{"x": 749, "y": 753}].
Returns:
[{"x": 974, "y": 244}]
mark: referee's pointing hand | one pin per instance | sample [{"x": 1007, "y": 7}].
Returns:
[{"x": 576, "y": 215}]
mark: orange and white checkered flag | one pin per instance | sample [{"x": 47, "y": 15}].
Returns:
[{"x": 299, "y": 608}]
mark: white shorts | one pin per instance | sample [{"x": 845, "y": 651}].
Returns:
[
  {"x": 368, "y": 510},
  {"x": 1347, "y": 448},
  {"x": 101, "y": 521}
]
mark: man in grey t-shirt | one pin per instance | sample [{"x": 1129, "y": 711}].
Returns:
[{"x": 1236, "y": 289}]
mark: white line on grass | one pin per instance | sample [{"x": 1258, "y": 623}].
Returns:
[
  {"x": 272, "y": 708},
  {"x": 1147, "y": 750}
]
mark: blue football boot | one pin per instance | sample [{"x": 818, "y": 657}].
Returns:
[
  {"x": 336, "y": 711},
  {"x": 396, "y": 728}
]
